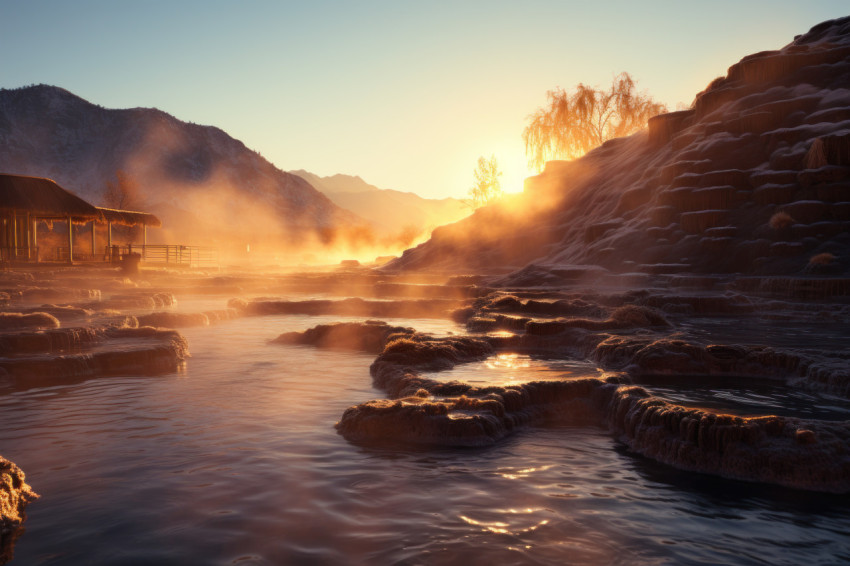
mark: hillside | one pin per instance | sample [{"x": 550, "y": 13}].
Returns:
[
  {"x": 754, "y": 179},
  {"x": 207, "y": 186},
  {"x": 391, "y": 211}
]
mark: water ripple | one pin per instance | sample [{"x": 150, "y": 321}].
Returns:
[{"x": 235, "y": 461}]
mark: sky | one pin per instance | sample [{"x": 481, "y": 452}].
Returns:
[{"x": 406, "y": 95}]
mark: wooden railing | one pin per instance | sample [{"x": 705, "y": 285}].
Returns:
[
  {"x": 163, "y": 254},
  {"x": 152, "y": 254}
]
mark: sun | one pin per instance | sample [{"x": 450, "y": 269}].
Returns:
[
  {"x": 513, "y": 164},
  {"x": 514, "y": 173}
]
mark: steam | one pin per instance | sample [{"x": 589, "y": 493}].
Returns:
[{"x": 209, "y": 204}]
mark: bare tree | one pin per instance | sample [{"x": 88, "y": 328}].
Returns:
[
  {"x": 487, "y": 186},
  {"x": 122, "y": 194},
  {"x": 571, "y": 124}
]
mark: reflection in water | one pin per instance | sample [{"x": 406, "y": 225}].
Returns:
[
  {"x": 523, "y": 473},
  {"x": 512, "y": 528},
  {"x": 749, "y": 397},
  {"x": 512, "y": 369},
  {"x": 235, "y": 461}
]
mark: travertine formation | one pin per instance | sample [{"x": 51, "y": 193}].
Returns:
[
  {"x": 15, "y": 495},
  {"x": 95, "y": 335},
  {"x": 800, "y": 453},
  {"x": 753, "y": 179},
  {"x": 735, "y": 212},
  {"x": 409, "y": 308}
]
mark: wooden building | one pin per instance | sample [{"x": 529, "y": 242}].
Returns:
[
  {"x": 112, "y": 216},
  {"x": 26, "y": 201}
]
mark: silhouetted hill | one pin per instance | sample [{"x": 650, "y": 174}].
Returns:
[
  {"x": 754, "y": 179},
  {"x": 194, "y": 176},
  {"x": 389, "y": 210}
]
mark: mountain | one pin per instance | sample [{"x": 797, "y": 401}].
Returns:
[
  {"x": 391, "y": 211},
  {"x": 753, "y": 180},
  {"x": 206, "y": 185}
]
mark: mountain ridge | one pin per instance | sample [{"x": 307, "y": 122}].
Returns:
[
  {"x": 47, "y": 131},
  {"x": 390, "y": 210}
]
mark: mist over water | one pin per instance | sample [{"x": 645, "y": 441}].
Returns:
[{"x": 235, "y": 461}]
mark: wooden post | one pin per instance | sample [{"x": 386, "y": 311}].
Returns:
[
  {"x": 35, "y": 238},
  {"x": 144, "y": 241},
  {"x": 109, "y": 240},
  {"x": 93, "y": 242},
  {"x": 70, "y": 240},
  {"x": 14, "y": 255},
  {"x": 26, "y": 227}
]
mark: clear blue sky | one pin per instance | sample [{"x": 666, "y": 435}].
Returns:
[{"x": 406, "y": 95}]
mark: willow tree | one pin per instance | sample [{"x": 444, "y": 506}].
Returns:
[
  {"x": 487, "y": 187},
  {"x": 571, "y": 124}
]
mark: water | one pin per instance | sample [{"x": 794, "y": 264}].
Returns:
[
  {"x": 512, "y": 369},
  {"x": 749, "y": 397},
  {"x": 234, "y": 460}
]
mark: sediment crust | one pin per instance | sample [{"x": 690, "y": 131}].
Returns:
[
  {"x": 17, "y": 320},
  {"x": 15, "y": 495},
  {"x": 800, "y": 453},
  {"x": 131, "y": 351},
  {"x": 406, "y": 308},
  {"x": 185, "y": 319},
  {"x": 46, "y": 341},
  {"x": 370, "y": 336}
]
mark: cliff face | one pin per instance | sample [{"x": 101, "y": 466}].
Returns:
[
  {"x": 754, "y": 179},
  {"x": 183, "y": 171}
]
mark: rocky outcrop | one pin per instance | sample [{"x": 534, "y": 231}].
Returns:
[
  {"x": 628, "y": 335},
  {"x": 804, "y": 454},
  {"x": 48, "y": 341},
  {"x": 15, "y": 495},
  {"x": 17, "y": 321},
  {"x": 54, "y": 356},
  {"x": 800, "y": 453},
  {"x": 697, "y": 191}
]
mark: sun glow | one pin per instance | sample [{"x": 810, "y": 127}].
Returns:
[
  {"x": 512, "y": 163},
  {"x": 514, "y": 169}
]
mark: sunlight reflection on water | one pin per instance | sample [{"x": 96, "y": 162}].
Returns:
[{"x": 512, "y": 369}]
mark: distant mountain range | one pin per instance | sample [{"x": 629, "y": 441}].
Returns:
[
  {"x": 207, "y": 186},
  {"x": 389, "y": 210}
]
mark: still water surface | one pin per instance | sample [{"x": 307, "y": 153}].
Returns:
[{"x": 235, "y": 461}]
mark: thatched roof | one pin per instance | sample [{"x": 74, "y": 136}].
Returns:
[
  {"x": 43, "y": 197},
  {"x": 128, "y": 217}
]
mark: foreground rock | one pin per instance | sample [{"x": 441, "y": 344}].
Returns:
[
  {"x": 53, "y": 356},
  {"x": 18, "y": 321},
  {"x": 15, "y": 495}
]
